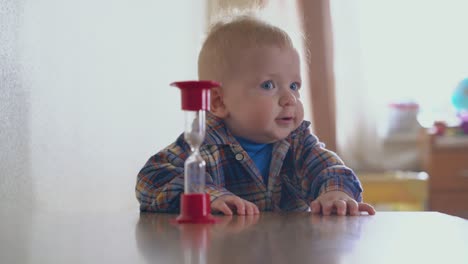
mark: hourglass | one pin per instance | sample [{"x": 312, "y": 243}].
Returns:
[{"x": 194, "y": 202}]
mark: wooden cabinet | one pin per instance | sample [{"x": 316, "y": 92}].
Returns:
[{"x": 445, "y": 158}]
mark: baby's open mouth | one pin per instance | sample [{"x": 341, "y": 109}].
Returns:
[{"x": 285, "y": 118}]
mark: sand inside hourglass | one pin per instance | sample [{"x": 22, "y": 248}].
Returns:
[
  {"x": 194, "y": 139},
  {"x": 195, "y": 135}
]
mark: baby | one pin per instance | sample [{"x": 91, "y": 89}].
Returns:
[{"x": 260, "y": 154}]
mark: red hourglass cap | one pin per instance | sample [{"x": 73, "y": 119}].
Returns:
[{"x": 195, "y": 94}]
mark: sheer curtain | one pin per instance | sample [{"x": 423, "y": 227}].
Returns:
[
  {"x": 389, "y": 51},
  {"x": 85, "y": 97},
  {"x": 357, "y": 137}
]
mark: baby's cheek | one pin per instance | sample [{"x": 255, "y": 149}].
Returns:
[{"x": 299, "y": 113}]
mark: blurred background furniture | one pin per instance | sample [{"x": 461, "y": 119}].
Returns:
[
  {"x": 396, "y": 191},
  {"x": 445, "y": 158}
]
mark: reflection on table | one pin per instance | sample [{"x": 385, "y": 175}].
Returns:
[
  {"x": 305, "y": 238},
  {"x": 131, "y": 237}
]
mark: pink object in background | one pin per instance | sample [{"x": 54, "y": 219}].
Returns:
[
  {"x": 464, "y": 126},
  {"x": 464, "y": 123},
  {"x": 439, "y": 128},
  {"x": 402, "y": 118}
]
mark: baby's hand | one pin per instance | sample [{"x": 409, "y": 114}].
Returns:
[
  {"x": 336, "y": 202},
  {"x": 228, "y": 203}
]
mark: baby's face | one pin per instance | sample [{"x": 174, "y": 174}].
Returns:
[{"x": 262, "y": 94}]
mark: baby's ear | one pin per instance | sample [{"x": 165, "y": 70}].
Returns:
[{"x": 217, "y": 107}]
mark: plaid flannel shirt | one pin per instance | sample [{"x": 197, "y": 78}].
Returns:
[{"x": 301, "y": 169}]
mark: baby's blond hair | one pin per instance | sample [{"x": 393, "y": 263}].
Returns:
[{"x": 231, "y": 35}]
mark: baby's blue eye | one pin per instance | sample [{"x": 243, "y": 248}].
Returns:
[
  {"x": 267, "y": 85},
  {"x": 295, "y": 86}
]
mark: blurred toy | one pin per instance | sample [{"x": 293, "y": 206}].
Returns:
[
  {"x": 439, "y": 128},
  {"x": 402, "y": 118},
  {"x": 464, "y": 123},
  {"x": 460, "y": 96},
  {"x": 460, "y": 102},
  {"x": 464, "y": 126}
]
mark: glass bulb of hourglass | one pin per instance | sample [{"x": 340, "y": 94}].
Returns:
[
  {"x": 194, "y": 128},
  {"x": 194, "y": 165}
]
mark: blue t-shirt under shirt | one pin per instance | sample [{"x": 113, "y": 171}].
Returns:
[{"x": 260, "y": 154}]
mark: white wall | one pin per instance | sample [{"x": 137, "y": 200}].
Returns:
[{"x": 84, "y": 96}]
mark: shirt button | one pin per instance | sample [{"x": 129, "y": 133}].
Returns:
[{"x": 239, "y": 156}]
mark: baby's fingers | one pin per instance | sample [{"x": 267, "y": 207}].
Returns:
[
  {"x": 352, "y": 207},
  {"x": 315, "y": 207},
  {"x": 253, "y": 209},
  {"x": 363, "y": 207},
  {"x": 256, "y": 210},
  {"x": 327, "y": 207},
  {"x": 340, "y": 206},
  {"x": 239, "y": 204},
  {"x": 222, "y": 207},
  {"x": 249, "y": 208}
]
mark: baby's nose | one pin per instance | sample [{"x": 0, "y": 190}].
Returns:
[{"x": 287, "y": 98}]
